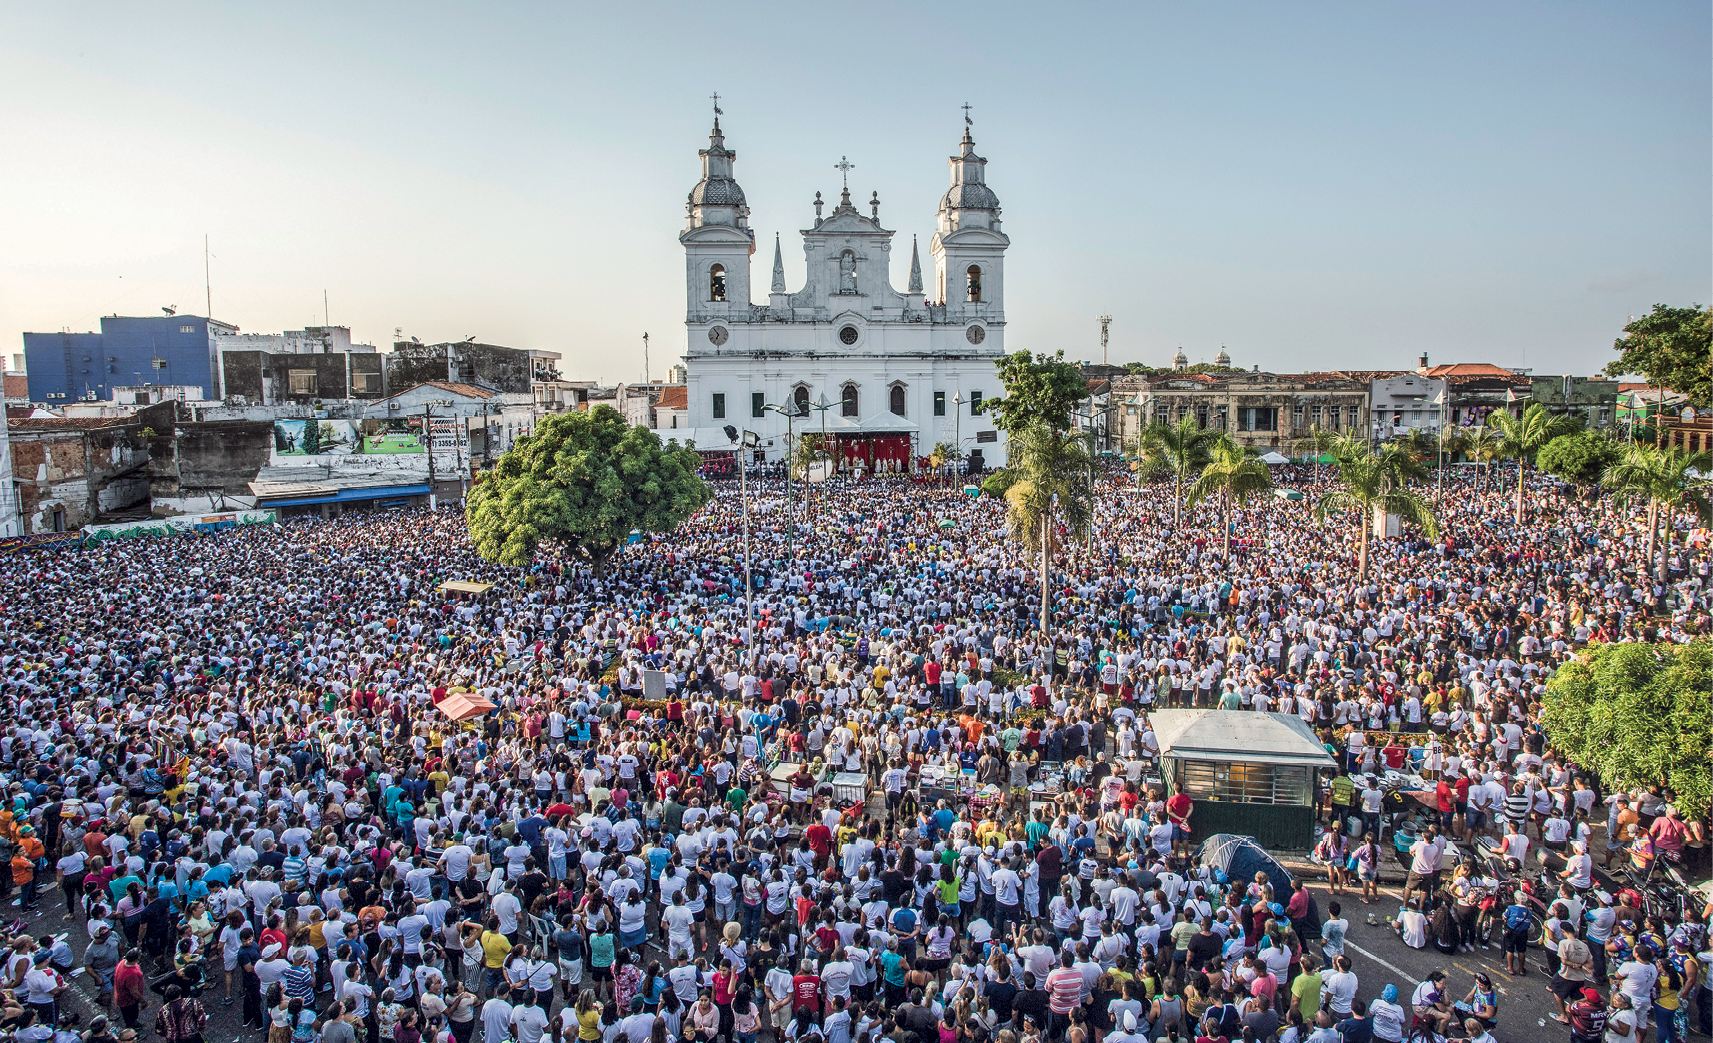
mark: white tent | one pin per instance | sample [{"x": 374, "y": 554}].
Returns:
[{"x": 1273, "y": 459}]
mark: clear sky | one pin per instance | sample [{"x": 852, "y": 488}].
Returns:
[{"x": 1312, "y": 185}]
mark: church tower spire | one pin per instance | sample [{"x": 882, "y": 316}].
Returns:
[
  {"x": 778, "y": 267},
  {"x": 915, "y": 268},
  {"x": 968, "y": 247},
  {"x": 717, "y": 239}
]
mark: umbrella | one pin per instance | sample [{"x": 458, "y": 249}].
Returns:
[
  {"x": 947, "y": 523},
  {"x": 1273, "y": 459},
  {"x": 464, "y": 705}
]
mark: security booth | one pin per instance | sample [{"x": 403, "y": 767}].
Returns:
[{"x": 1251, "y": 774}]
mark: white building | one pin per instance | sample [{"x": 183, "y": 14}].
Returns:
[
  {"x": 311, "y": 340},
  {"x": 889, "y": 374},
  {"x": 1403, "y": 400}
]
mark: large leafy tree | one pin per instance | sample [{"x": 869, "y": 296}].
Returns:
[
  {"x": 1579, "y": 458},
  {"x": 1638, "y": 714},
  {"x": 1520, "y": 438},
  {"x": 1232, "y": 476},
  {"x": 1670, "y": 346},
  {"x": 1180, "y": 450},
  {"x": 1668, "y": 481},
  {"x": 1373, "y": 479},
  {"x": 583, "y": 480},
  {"x": 1050, "y": 471},
  {"x": 1040, "y": 390}
]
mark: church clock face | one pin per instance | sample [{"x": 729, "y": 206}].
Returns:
[
  {"x": 718, "y": 335},
  {"x": 975, "y": 334}
]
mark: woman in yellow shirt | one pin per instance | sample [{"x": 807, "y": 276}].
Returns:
[{"x": 588, "y": 1017}]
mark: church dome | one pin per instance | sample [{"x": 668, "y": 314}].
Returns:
[
  {"x": 716, "y": 191},
  {"x": 1181, "y": 360},
  {"x": 970, "y": 195},
  {"x": 1222, "y": 359}
]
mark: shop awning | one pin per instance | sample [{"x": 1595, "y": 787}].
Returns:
[
  {"x": 459, "y": 586},
  {"x": 323, "y": 495}
]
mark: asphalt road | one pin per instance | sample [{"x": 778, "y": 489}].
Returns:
[{"x": 1379, "y": 956}]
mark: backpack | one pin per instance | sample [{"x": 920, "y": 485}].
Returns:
[{"x": 1516, "y": 917}]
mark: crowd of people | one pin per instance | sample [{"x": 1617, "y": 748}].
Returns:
[{"x": 223, "y": 754}]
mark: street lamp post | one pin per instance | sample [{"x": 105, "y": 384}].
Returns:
[
  {"x": 822, "y": 405},
  {"x": 790, "y": 442},
  {"x": 428, "y": 444},
  {"x": 749, "y": 440},
  {"x": 957, "y": 434},
  {"x": 1439, "y": 450}
]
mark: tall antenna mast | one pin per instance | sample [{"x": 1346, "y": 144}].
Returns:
[
  {"x": 645, "y": 373},
  {"x": 207, "y": 286},
  {"x": 1105, "y": 321},
  {"x": 324, "y": 320}
]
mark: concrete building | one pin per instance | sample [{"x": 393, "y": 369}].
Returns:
[
  {"x": 254, "y": 377},
  {"x": 1476, "y": 389},
  {"x": 1259, "y": 410},
  {"x": 69, "y": 472},
  {"x": 672, "y": 411},
  {"x": 1593, "y": 400},
  {"x": 507, "y": 370},
  {"x": 1401, "y": 400},
  {"x": 311, "y": 340},
  {"x": 886, "y": 373},
  {"x": 161, "y": 349}
]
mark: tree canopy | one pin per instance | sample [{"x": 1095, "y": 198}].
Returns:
[
  {"x": 1638, "y": 715},
  {"x": 584, "y": 480},
  {"x": 1671, "y": 347},
  {"x": 1579, "y": 458},
  {"x": 1040, "y": 389}
]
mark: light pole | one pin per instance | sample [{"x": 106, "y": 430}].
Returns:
[
  {"x": 823, "y": 405},
  {"x": 790, "y": 443},
  {"x": 1439, "y": 450},
  {"x": 957, "y": 435},
  {"x": 749, "y": 440}
]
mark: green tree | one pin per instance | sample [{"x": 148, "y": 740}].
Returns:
[
  {"x": 1234, "y": 476},
  {"x": 1669, "y": 480},
  {"x": 1579, "y": 458},
  {"x": 807, "y": 451},
  {"x": 1520, "y": 438},
  {"x": 1670, "y": 346},
  {"x": 583, "y": 480},
  {"x": 1638, "y": 715},
  {"x": 1181, "y": 450},
  {"x": 1040, "y": 390},
  {"x": 1049, "y": 472},
  {"x": 1481, "y": 445},
  {"x": 942, "y": 454},
  {"x": 1371, "y": 480}
]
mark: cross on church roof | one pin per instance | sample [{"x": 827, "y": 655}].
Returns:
[
  {"x": 844, "y": 166},
  {"x": 967, "y": 120},
  {"x": 717, "y": 111}
]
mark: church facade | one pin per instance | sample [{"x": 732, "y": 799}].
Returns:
[{"x": 885, "y": 374}]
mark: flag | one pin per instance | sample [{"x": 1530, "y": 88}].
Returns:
[
  {"x": 1510, "y": 396},
  {"x": 1439, "y": 399}
]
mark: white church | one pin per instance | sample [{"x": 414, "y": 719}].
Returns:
[{"x": 886, "y": 374}]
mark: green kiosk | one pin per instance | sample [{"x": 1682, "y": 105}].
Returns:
[{"x": 1252, "y": 774}]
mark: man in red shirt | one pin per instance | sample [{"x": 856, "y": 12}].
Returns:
[
  {"x": 806, "y": 990},
  {"x": 1178, "y": 809},
  {"x": 820, "y": 840}
]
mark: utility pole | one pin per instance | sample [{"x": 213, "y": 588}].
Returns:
[
  {"x": 1105, "y": 321},
  {"x": 207, "y": 286},
  {"x": 646, "y": 379},
  {"x": 428, "y": 443},
  {"x": 325, "y": 321}
]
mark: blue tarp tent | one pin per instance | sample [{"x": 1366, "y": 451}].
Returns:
[{"x": 1240, "y": 858}]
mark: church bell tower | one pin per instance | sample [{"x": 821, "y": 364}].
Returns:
[{"x": 718, "y": 241}]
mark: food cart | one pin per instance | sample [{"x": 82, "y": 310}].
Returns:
[{"x": 1251, "y": 774}]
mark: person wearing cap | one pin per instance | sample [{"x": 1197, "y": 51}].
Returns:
[
  {"x": 100, "y": 959},
  {"x": 1586, "y": 1016}
]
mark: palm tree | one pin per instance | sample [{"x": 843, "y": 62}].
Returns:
[
  {"x": 1482, "y": 447},
  {"x": 943, "y": 454},
  {"x": 1234, "y": 476},
  {"x": 1520, "y": 438},
  {"x": 1663, "y": 478},
  {"x": 1316, "y": 443},
  {"x": 1052, "y": 470},
  {"x": 1452, "y": 441},
  {"x": 1371, "y": 480},
  {"x": 1182, "y": 449}
]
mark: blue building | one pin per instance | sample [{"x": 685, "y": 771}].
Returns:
[{"x": 158, "y": 349}]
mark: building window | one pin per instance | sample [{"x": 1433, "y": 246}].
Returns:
[
  {"x": 757, "y": 403},
  {"x": 897, "y": 400},
  {"x": 304, "y": 381},
  {"x": 800, "y": 398},
  {"x": 849, "y": 335},
  {"x": 717, "y": 283},
  {"x": 1201, "y": 415},
  {"x": 939, "y": 403},
  {"x": 1297, "y": 415},
  {"x": 187, "y": 329},
  {"x": 974, "y": 275},
  {"x": 719, "y": 406},
  {"x": 361, "y": 382},
  {"x": 975, "y": 403},
  {"x": 1332, "y": 418},
  {"x": 848, "y": 403},
  {"x": 1257, "y": 418},
  {"x": 1314, "y": 415}
]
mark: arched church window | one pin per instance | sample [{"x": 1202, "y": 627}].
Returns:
[
  {"x": 848, "y": 401},
  {"x": 717, "y": 283},
  {"x": 974, "y": 274},
  {"x": 847, "y": 272},
  {"x": 800, "y": 401},
  {"x": 897, "y": 397}
]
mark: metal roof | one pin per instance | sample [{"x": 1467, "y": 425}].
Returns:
[{"x": 1238, "y": 735}]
